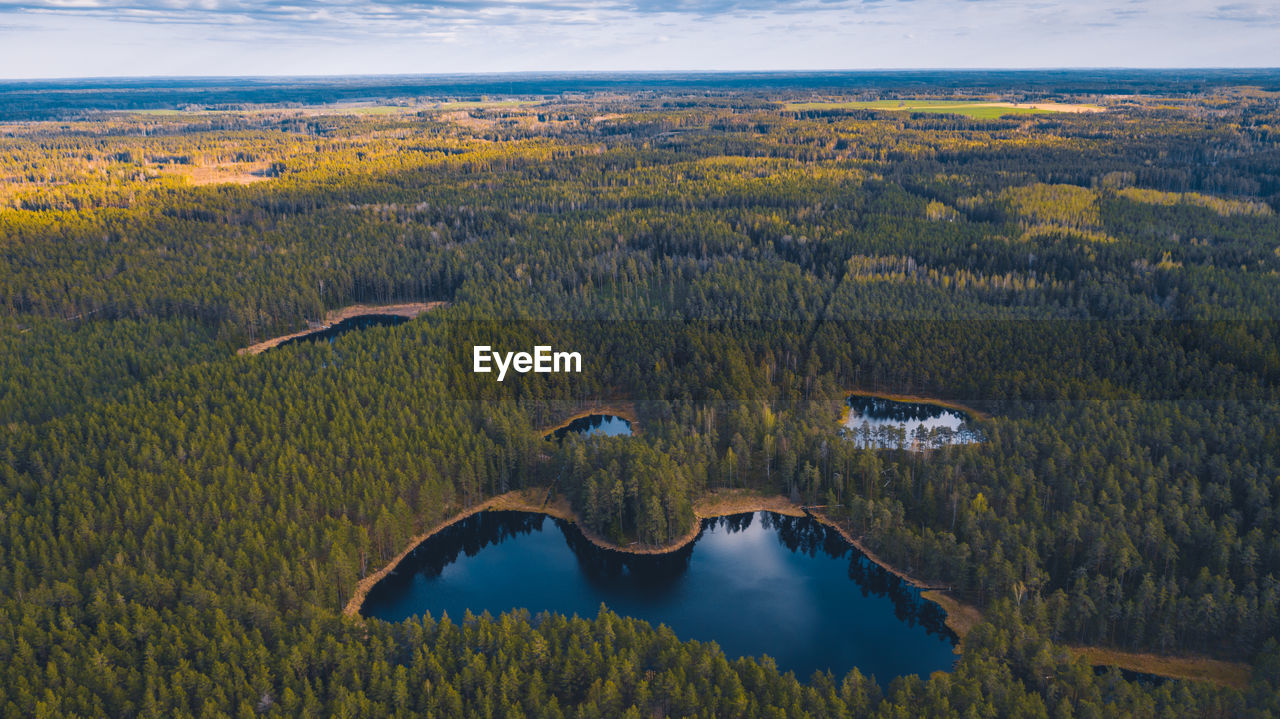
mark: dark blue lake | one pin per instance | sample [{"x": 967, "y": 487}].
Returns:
[
  {"x": 756, "y": 584},
  {"x": 350, "y": 324},
  {"x": 594, "y": 424}
]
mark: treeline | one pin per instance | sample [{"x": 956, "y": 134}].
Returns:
[{"x": 550, "y": 666}]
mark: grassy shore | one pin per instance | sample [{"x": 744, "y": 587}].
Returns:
[
  {"x": 1229, "y": 674},
  {"x": 961, "y": 617}
]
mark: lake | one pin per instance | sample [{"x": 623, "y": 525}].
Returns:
[
  {"x": 879, "y": 423},
  {"x": 594, "y": 424},
  {"x": 757, "y": 583},
  {"x": 350, "y": 324}
]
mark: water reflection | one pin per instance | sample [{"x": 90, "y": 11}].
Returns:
[
  {"x": 594, "y": 424},
  {"x": 878, "y": 423},
  {"x": 759, "y": 583}
]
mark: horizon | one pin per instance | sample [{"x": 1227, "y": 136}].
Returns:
[{"x": 694, "y": 72}]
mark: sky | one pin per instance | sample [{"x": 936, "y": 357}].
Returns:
[{"x": 97, "y": 38}]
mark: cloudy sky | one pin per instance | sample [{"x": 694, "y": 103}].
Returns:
[{"x": 81, "y": 38}]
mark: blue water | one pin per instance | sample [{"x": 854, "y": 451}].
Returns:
[
  {"x": 350, "y": 324},
  {"x": 594, "y": 424},
  {"x": 756, "y": 584}
]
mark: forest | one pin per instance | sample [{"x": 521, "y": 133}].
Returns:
[{"x": 181, "y": 525}]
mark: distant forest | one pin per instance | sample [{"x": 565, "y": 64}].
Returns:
[{"x": 181, "y": 526}]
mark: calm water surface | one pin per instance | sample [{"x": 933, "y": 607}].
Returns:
[
  {"x": 594, "y": 424},
  {"x": 350, "y": 324},
  {"x": 756, "y": 584},
  {"x": 878, "y": 423}
]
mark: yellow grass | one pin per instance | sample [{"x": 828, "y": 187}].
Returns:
[
  {"x": 961, "y": 617},
  {"x": 738, "y": 501},
  {"x": 233, "y": 173},
  {"x": 1229, "y": 674}
]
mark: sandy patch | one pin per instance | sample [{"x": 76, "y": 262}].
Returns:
[{"x": 232, "y": 173}]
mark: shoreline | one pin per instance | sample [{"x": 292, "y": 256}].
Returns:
[
  {"x": 517, "y": 500},
  {"x": 407, "y": 310},
  {"x": 900, "y": 574}
]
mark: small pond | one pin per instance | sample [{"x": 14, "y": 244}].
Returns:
[
  {"x": 350, "y": 324},
  {"x": 756, "y": 583},
  {"x": 879, "y": 423},
  {"x": 594, "y": 424}
]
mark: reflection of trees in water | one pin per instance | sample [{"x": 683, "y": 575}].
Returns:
[
  {"x": 875, "y": 431},
  {"x": 611, "y": 569},
  {"x": 656, "y": 574},
  {"x": 887, "y": 410},
  {"x": 469, "y": 536},
  {"x": 868, "y": 435},
  {"x": 585, "y": 425},
  {"x": 908, "y": 606},
  {"x": 809, "y": 536},
  {"x": 732, "y": 523}
]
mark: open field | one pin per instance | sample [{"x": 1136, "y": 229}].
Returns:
[{"x": 234, "y": 173}]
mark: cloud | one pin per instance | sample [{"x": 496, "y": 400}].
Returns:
[
  {"x": 1250, "y": 13},
  {"x": 302, "y": 13},
  {"x": 352, "y": 36},
  {"x": 390, "y": 16}
]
